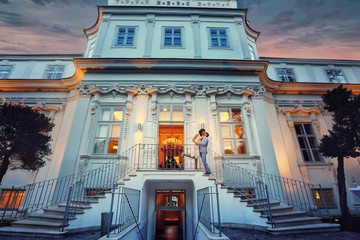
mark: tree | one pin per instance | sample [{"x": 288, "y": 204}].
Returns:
[
  {"x": 25, "y": 133},
  {"x": 343, "y": 141}
]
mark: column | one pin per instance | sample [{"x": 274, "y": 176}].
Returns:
[
  {"x": 150, "y": 23},
  {"x": 105, "y": 22},
  {"x": 239, "y": 25},
  {"x": 195, "y": 25}
]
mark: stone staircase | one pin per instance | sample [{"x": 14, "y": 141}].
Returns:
[
  {"x": 48, "y": 224},
  {"x": 286, "y": 220}
]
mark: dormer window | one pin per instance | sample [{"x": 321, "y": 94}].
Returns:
[
  {"x": 125, "y": 36},
  {"x": 219, "y": 37},
  {"x": 172, "y": 37},
  {"x": 335, "y": 75},
  {"x": 286, "y": 74},
  {"x": 54, "y": 71},
  {"x": 5, "y": 71}
]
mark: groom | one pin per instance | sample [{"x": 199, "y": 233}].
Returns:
[{"x": 203, "y": 149}]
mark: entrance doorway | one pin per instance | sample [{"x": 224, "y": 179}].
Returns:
[
  {"x": 170, "y": 214},
  {"x": 171, "y": 140},
  {"x": 169, "y": 225}
]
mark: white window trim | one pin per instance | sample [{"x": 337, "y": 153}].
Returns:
[
  {"x": 171, "y": 112},
  {"x": 278, "y": 77},
  {"x": 316, "y": 136},
  {"x": 115, "y": 45},
  {"x": 55, "y": 64},
  {"x": 11, "y": 70},
  {"x": 97, "y": 123},
  {"x": 229, "y": 47},
  {"x": 234, "y": 123},
  {"x": 339, "y": 69},
  {"x": 182, "y": 46}
]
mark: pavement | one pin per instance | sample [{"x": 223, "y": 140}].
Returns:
[{"x": 235, "y": 234}]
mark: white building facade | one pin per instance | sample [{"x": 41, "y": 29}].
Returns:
[{"x": 153, "y": 74}]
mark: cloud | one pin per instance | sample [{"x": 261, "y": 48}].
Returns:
[
  {"x": 14, "y": 19},
  {"x": 44, "y": 2},
  {"x": 5, "y": 1}
]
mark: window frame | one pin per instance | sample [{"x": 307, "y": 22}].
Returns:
[
  {"x": 182, "y": 34},
  {"x": 109, "y": 124},
  {"x": 116, "y": 37},
  {"x": 10, "y": 71},
  {"x": 335, "y": 69},
  {"x": 54, "y": 72},
  {"x": 14, "y": 194},
  {"x": 227, "y": 38},
  {"x": 287, "y": 75},
  {"x": 307, "y": 143},
  {"x": 171, "y": 105},
  {"x": 327, "y": 192},
  {"x": 232, "y": 124}
]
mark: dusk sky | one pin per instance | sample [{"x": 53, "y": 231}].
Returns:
[{"x": 324, "y": 29}]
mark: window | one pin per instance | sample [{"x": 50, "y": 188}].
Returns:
[
  {"x": 335, "y": 76},
  {"x": 5, "y": 71},
  {"x": 108, "y": 131},
  {"x": 173, "y": 37},
  {"x": 171, "y": 113},
  {"x": 170, "y": 198},
  {"x": 125, "y": 36},
  {"x": 286, "y": 74},
  {"x": 219, "y": 37},
  {"x": 252, "y": 52},
  {"x": 307, "y": 141},
  {"x": 325, "y": 198},
  {"x": 232, "y": 131},
  {"x": 54, "y": 71},
  {"x": 11, "y": 199}
]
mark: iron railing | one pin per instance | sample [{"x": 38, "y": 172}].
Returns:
[
  {"x": 124, "y": 210},
  {"x": 209, "y": 210},
  {"x": 290, "y": 192}
]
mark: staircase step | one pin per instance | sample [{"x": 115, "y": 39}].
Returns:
[
  {"x": 48, "y": 217},
  {"x": 285, "y": 215},
  {"x": 253, "y": 200},
  {"x": 86, "y": 201},
  {"x": 244, "y": 196},
  {"x": 296, "y": 221},
  {"x": 38, "y": 224},
  {"x": 276, "y": 209},
  {"x": 62, "y": 206},
  {"x": 272, "y": 204},
  {"x": 60, "y": 211},
  {"x": 311, "y": 228},
  {"x": 30, "y": 232}
]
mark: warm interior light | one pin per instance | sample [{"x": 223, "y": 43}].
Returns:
[
  {"x": 224, "y": 116},
  {"x": 118, "y": 115},
  {"x": 115, "y": 147},
  {"x": 317, "y": 195}
]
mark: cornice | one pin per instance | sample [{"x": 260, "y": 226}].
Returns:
[
  {"x": 42, "y": 85},
  {"x": 95, "y": 28}
]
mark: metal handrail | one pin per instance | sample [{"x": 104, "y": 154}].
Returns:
[
  {"x": 207, "y": 217},
  {"x": 290, "y": 192},
  {"x": 122, "y": 217}
]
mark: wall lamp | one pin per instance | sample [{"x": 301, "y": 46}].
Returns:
[
  {"x": 139, "y": 127},
  {"x": 202, "y": 125}
]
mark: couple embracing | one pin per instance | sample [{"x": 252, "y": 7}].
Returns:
[{"x": 202, "y": 140}]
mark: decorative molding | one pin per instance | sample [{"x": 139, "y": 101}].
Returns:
[
  {"x": 257, "y": 91},
  {"x": 291, "y": 112},
  {"x": 300, "y": 109}
]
